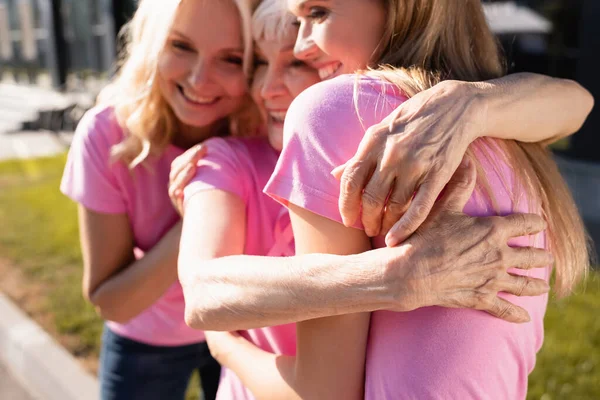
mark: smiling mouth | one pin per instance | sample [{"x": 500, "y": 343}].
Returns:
[
  {"x": 277, "y": 116},
  {"x": 197, "y": 100},
  {"x": 329, "y": 71}
]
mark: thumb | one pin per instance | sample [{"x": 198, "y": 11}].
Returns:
[{"x": 460, "y": 187}]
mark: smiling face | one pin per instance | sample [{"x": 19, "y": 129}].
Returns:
[
  {"x": 278, "y": 78},
  {"x": 200, "y": 71},
  {"x": 338, "y": 36}
]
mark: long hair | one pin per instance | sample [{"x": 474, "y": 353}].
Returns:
[
  {"x": 141, "y": 110},
  {"x": 428, "y": 41}
]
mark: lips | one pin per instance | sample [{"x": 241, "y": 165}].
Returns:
[
  {"x": 195, "y": 99},
  {"x": 329, "y": 71}
]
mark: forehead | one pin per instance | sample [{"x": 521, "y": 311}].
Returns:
[
  {"x": 216, "y": 22},
  {"x": 285, "y": 43}
]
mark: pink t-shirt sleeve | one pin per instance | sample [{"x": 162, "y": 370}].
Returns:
[
  {"x": 221, "y": 169},
  {"x": 322, "y": 131},
  {"x": 89, "y": 177}
]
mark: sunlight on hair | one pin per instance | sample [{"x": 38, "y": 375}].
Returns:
[
  {"x": 140, "y": 108},
  {"x": 271, "y": 21}
]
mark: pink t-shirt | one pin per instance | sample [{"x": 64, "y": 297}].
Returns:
[
  {"x": 433, "y": 352},
  {"x": 242, "y": 167},
  {"x": 91, "y": 180}
]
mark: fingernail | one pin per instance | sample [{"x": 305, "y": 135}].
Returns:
[{"x": 390, "y": 241}]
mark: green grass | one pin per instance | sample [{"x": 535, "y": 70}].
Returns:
[{"x": 38, "y": 231}]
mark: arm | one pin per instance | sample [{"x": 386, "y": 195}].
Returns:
[
  {"x": 533, "y": 108},
  {"x": 330, "y": 351},
  {"x": 119, "y": 286},
  {"x": 419, "y": 146}
]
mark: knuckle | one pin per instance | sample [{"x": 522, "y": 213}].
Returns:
[{"x": 372, "y": 200}]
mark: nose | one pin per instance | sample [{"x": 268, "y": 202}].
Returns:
[
  {"x": 273, "y": 84},
  {"x": 200, "y": 74},
  {"x": 305, "y": 48}
]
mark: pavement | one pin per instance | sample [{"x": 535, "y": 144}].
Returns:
[
  {"x": 11, "y": 388},
  {"x": 33, "y": 366},
  {"x": 36, "y": 364}
]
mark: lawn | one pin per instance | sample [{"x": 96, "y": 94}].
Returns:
[{"x": 39, "y": 236}]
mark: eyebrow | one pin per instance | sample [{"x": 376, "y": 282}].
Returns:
[
  {"x": 302, "y": 5},
  {"x": 176, "y": 32}
]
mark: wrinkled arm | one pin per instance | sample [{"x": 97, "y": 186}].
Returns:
[
  {"x": 404, "y": 162},
  {"x": 330, "y": 354},
  {"x": 533, "y": 108}
]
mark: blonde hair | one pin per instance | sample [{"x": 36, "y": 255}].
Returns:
[
  {"x": 271, "y": 21},
  {"x": 428, "y": 41},
  {"x": 141, "y": 110}
]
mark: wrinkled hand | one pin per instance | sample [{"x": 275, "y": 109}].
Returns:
[
  {"x": 459, "y": 261},
  {"x": 222, "y": 344},
  {"x": 410, "y": 156},
  {"x": 183, "y": 169}
]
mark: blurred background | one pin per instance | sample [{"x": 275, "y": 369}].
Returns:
[{"x": 55, "y": 55}]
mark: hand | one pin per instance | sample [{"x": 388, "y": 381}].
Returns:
[
  {"x": 459, "y": 261},
  {"x": 183, "y": 169},
  {"x": 222, "y": 344},
  {"x": 410, "y": 156}
]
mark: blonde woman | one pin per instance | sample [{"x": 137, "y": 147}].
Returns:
[
  {"x": 183, "y": 75},
  {"x": 432, "y": 352}
]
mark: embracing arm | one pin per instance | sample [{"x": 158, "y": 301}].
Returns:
[
  {"x": 119, "y": 286},
  {"x": 330, "y": 354},
  {"x": 533, "y": 108},
  {"x": 404, "y": 162}
]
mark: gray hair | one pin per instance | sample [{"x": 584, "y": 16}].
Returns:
[{"x": 271, "y": 20}]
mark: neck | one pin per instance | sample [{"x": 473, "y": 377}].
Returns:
[{"x": 187, "y": 136}]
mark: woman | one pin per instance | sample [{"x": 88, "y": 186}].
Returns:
[
  {"x": 181, "y": 81},
  {"x": 431, "y": 352}
]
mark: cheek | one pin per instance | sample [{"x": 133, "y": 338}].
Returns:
[
  {"x": 235, "y": 85},
  {"x": 299, "y": 82},
  {"x": 256, "y": 89},
  {"x": 171, "y": 67}
]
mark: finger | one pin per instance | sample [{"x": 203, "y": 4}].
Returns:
[
  {"x": 199, "y": 152},
  {"x": 354, "y": 179},
  {"x": 182, "y": 180},
  {"x": 337, "y": 172},
  {"x": 459, "y": 189},
  {"x": 191, "y": 156},
  {"x": 524, "y": 286},
  {"x": 507, "y": 311},
  {"x": 416, "y": 214},
  {"x": 357, "y": 173},
  {"x": 515, "y": 225},
  {"x": 373, "y": 202},
  {"x": 529, "y": 258},
  {"x": 396, "y": 205}
]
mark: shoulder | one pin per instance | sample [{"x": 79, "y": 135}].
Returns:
[
  {"x": 99, "y": 126},
  {"x": 238, "y": 147},
  {"x": 356, "y": 100}
]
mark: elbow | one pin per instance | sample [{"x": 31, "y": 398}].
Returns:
[
  {"x": 105, "y": 308},
  {"x": 585, "y": 104},
  {"x": 202, "y": 310},
  {"x": 205, "y": 315}
]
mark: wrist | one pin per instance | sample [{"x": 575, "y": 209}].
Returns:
[
  {"x": 399, "y": 291},
  {"x": 477, "y": 108}
]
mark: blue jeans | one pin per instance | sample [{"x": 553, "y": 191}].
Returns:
[{"x": 131, "y": 370}]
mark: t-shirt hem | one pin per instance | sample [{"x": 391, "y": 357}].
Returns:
[
  {"x": 87, "y": 202},
  {"x": 286, "y": 190}
]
